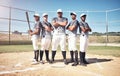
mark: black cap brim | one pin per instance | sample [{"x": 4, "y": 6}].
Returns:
[{"x": 72, "y": 14}]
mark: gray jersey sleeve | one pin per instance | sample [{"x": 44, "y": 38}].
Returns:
[
  {"x": 81, "y": 24},
  {"x": 76, "y": 23},
  {"x": 65, "y": 19},
  {"x": 87, "y": 26},
  {"x": 46, "y": 24},
  {"x": 68, "y": 25},
  {"x": 38, "y": 25}
]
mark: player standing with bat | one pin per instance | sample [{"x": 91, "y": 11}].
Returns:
[{"x": 35, "y": 33}]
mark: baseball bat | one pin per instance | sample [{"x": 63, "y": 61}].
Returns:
[{"x": 27, "y": 16}]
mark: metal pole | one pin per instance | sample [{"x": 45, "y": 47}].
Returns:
[
  {"x": 9, "y": 25},
  {"x": 106, "y": 28}
]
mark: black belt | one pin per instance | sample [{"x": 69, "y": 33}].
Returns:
[
  {"x": 83, "y": 34},
  {"x": 43, "y": 36}
]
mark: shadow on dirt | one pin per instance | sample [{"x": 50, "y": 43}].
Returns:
[
  {"x": 90, "y": 60},
  {"x": 96, "y": 60}
]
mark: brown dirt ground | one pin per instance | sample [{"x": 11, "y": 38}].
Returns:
[{"x": 19, "y": 64}]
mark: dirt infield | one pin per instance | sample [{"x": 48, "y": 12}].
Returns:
[{"x": 19, "y": 64}]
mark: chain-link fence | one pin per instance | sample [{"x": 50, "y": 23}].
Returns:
[{"x": 13, "y": 25}]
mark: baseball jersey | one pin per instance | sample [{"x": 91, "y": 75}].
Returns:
[
  {"x": 37, "y": 25},
  {"x": 45, "y": 32},
  {"x": 59, "y": 29},
  {"x": 85, "y": 25},
  {"x": 73, "y": 23}
]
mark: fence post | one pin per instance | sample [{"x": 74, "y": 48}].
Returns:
[
  {"x": 9, "y": 26},
  {"x": 106, "y": 28}
]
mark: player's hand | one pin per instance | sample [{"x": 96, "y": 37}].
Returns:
[
  {"x": 52, "y": 29},
  {"x": 88, "y": 29},
  {"x": 30, "y": 31},
  {"x": 56, "y": 23}
]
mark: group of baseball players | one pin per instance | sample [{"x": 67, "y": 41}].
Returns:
[{"x": 58, "y": 26}]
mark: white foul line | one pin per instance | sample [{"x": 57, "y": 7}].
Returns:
[{"x": 14, "y": 71}]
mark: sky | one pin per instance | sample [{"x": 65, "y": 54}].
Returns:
[{"x": 96, "y": 20}]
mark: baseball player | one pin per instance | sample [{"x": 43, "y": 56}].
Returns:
[
  {"x": 46, "y": 38},
  {"x": 72, "y": 33},
  {"x": 35, "y": 33},
  {"x": 59, "y": 35},
  {"x": 85, "y": 29}
]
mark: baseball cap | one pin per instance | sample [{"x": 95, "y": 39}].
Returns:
[
  {"x": 44, "y": 14},
  {"x": 59, "y": 10},
  {"x": 36, "y": 15},
  {"x": 83, "y": 14},
  {"x": 73, "y": 13}
]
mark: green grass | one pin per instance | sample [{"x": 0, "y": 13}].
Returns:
[
  {"x": 15, "y": 48},
  {"x": 98, "y": 50},
  {"x": 103, "y": 50},
  {"x": 16, "y": 42}
]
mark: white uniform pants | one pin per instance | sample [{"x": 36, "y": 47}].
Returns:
[
  {"x": 72, "y": 43},
  {"x": 35, "y": 39},
  {"x": 45, "y": 43},
  {"x": 35, "y": 43},
  {"x": 83, "y": 43},
  {"x": 59, "y": 40}
]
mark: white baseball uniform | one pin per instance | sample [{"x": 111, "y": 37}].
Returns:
[
  {"x": 59, "y": 35},
  {"x": 46, "y": 36},
  {"x": 72, "y": 36},
  {"x": 35, "y": 37},
  {"x": 83, "y": 37}
]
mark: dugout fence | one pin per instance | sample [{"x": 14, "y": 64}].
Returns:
[{"x": 13, "y": 24}]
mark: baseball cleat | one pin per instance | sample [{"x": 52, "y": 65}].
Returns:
[
  {"x": 83, "y": 64},
  {"x": 42, "y": 62},
  {"x": 65, "y": 62},
  {"x": 48, "y": 61},
  {"x": 34, "y": 63},
  {"x": 33, "y": 60},
  {"x": 74, "y": 64},
  {"x": 51, "y": 61}
]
